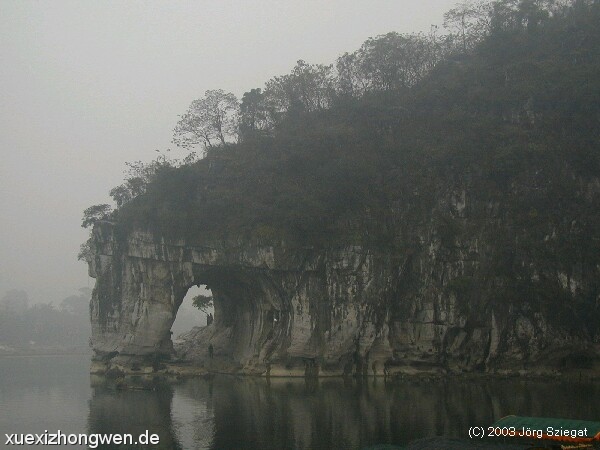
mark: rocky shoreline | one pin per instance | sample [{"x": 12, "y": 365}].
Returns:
[
  {"x": 294, "y": 311},
  {"x": 189, "y": 370}
]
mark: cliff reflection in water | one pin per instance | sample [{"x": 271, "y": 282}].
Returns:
[
  {"x": 228, "y": 412},
  {"x": 132, "y": 412}
]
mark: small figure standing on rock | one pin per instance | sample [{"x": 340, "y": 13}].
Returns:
[
  {"x": 209, "y": 319},
  {"x": 386, "y": 368},
  {"x": 211, "y": 351}
]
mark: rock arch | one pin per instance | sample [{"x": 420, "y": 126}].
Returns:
[
  {"x": 292, "y": 311},
  {"x": 271, "y": 306}
]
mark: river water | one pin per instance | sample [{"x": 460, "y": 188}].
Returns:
[{"x": 58, "y": 393}]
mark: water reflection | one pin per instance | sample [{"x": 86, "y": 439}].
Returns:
[
  {"x": 115, "y": 410},
  {"x": 228, "y": 412},
  {"x": 44, "y": 393}
]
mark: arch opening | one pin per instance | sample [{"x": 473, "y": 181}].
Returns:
[
  {"x": 189, "y": 316},
  {"x": 249, "y": 319}
]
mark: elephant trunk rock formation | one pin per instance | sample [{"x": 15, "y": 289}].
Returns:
[{"x": 292, "y": 311}]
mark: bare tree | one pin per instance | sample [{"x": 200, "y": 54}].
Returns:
[
  {"x": 309, "y": 87},
  {"x": 469, "y": 21},
  {"x": 209, "y": 121}
]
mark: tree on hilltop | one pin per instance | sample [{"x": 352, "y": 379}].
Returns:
[
  {"x": 209, "y": 121},
  {"x": 95, "y": 213}
]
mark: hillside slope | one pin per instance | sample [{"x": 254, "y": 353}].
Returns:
[{"x": 453, "y": 225}]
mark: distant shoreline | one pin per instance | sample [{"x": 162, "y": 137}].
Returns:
[{"x": 46, "y": 352}]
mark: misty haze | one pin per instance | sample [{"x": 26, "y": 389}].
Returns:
[{"x": 300, "y": 224}]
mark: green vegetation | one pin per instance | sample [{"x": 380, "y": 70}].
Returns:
[
  {"x": 203, "y": 302},
  {"x": 506, "y": 103}
]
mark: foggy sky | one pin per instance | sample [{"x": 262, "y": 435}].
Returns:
[{"x": 88, "y": 85}]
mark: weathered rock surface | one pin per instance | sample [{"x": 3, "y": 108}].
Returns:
[{"x": 449, "y": 302}]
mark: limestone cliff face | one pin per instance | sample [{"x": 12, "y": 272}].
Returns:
[{"x": 461, "y": 297}]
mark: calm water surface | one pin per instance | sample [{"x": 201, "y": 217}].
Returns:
[{"x": 57, "y": 393}]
